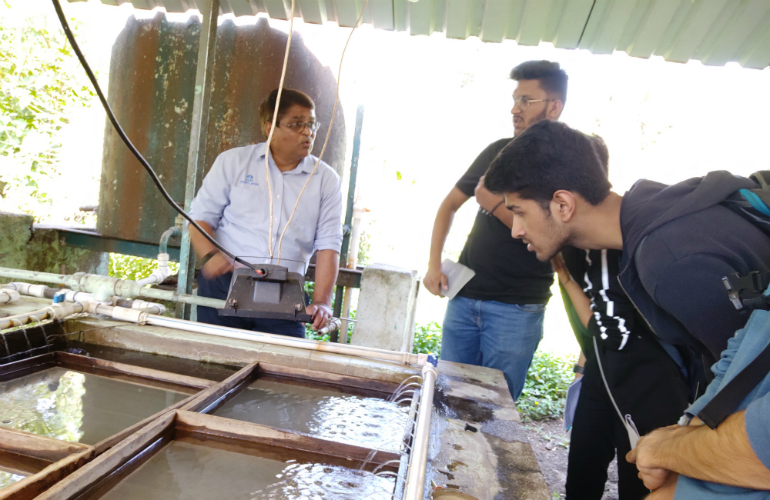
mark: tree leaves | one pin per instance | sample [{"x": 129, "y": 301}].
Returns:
[{"x": 41, "y": 83}]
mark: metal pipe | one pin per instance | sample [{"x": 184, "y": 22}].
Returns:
[
  {"x": 403, "y": 467},
  {"x": 415, "y": 481},
  {"x": 138, "y": 316},
  {"x": 104, "y": 287},
  {"x": 55, "y": 311},
  {"x": 199, "y": 122}
]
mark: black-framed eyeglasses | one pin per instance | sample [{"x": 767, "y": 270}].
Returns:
[
  {"x": 298, "y": 127},
  {"x": 525, "y": 101}
]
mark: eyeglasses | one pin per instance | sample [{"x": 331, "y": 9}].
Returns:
[
  {"x": 298, "y": 127},
  {"x": 524, "y": 101}
]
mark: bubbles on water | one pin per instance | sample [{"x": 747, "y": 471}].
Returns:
[
  {"x": 319, "y": 481},
  {"x": 322, "y": 412}
]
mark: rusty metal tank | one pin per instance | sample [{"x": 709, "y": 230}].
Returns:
[{"x": 151, "y": 90}]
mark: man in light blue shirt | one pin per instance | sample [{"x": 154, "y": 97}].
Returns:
[{"x": 234, "y": 205}]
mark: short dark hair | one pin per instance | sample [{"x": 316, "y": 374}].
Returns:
[
  {"x": 289, "y": 97},
  {"x": 600, "y": 147},
  {"x": 549, "y": 74},
  {"x": 546, "y": 157}
]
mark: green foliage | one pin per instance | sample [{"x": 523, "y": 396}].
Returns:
[
  {"x": 427, "y": 339},
  {"x": 546, "y": 386},
  {"x": 310, "y": 290},
  {"x": 41, "y": 84},
  {"x": 129, "y": 267},
  {"x": 364, "y": 247}
]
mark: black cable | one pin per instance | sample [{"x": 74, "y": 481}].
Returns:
[{"x": 68, "y": 33}]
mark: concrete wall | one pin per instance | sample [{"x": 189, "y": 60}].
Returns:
[{"x": 24, "y": 247}]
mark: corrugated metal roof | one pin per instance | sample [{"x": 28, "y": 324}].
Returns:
[{"x": 712, "y": 31}]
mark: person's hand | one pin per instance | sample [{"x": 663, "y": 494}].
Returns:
[
  {"x": 321, "y": 313},
  {"x": 435, "y": 280},
  {"x": 644, "y": 454},
  {"x": 557, "y": 262},
  {"x": 484, "y": 196},
  {"x": 216, "y": 266}
]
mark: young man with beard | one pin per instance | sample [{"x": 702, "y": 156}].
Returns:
[
  {"x": 644, "y": 382},
  {"x": 678, "y": 243},
  {"x": 496, "y": 319},
  {"x": 234, "y": 206}
]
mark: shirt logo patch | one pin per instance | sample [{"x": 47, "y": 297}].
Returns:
[{"x": 249, "y": 181}]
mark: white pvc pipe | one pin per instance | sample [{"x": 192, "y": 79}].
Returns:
[
  {"x": 73, "y": 296},
  {"x": 150, "y": 307},
  {"x": 55, "y": 311},
  {"x": 158, "y": 275},
  {"x": 104, "y": 288},
  {"x": 137, "y": 316},
  {"x": 415, "y": 480},
  {"x": 7, "y": 295},
  {"x": 28, "y": 289}
]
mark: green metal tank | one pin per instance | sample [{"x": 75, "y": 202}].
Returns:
[{"x": 151, "y": 90}]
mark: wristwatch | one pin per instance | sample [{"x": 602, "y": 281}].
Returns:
[
  {"x": 578, "y": 369},
  {"x": 208, "y": 257}
]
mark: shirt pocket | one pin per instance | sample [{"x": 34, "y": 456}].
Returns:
[{"x": 248, "y": 204}]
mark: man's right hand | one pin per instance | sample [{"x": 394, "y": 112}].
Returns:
[
  {"x": 216, "y": 266},
  {"x": 435, "y": 281}
]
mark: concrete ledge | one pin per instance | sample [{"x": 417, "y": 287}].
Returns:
[
  {"x": 201, "y": 347},
  {"x": 24, "y": 246}
]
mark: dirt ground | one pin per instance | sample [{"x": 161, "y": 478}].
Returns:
[{"x": 550, "y": 443}]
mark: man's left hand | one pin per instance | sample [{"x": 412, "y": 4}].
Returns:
[
  {"x": 321, "y": 313},
  {"x": 484, "y": 196},
  {"x": 645, "y": 453}
]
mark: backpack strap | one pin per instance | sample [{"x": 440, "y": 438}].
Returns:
[
  {"x": 761, "y": 178},
  {"x": 724, "y": 403},
  {"x": 753, "y": 204}
]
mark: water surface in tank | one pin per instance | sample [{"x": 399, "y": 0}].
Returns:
[
  {"x": 7, "y": 478},
  {"x": 186, "y": 469},
  {"x": 326, "y": 412},
  {"x": 81, "y": 407},
  {"x": 182, "y": 366}
]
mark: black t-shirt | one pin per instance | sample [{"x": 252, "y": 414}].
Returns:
[
  {"x": 505, "y": 270},
  {"x": 616, "y": 324}
]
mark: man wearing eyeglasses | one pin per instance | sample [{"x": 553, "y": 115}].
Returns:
[
  {"x": 234, "y": 206},
  {"x": 496, "y": 320}
]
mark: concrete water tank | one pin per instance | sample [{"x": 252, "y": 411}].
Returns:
[{"x": 151, "y": 90}]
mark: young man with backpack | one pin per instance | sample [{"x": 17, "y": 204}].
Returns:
[
  {"x": 678, "y": 243},
  {"x": 628, "y": 377}
]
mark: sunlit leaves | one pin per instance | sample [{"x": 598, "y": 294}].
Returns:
[{"x": 41, "y": 83}]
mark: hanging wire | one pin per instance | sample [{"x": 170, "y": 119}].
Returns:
[{"x": 122, "y": 134}]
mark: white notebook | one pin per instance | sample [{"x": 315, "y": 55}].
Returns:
[{"x": 457, "y": 275}]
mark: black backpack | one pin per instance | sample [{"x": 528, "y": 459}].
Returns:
[{"x": 747, "y": 293}]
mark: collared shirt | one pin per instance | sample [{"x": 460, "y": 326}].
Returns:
[{"x": 235, "y": 201}]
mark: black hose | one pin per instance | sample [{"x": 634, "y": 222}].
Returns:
[{"x": 68, "y": 33}]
